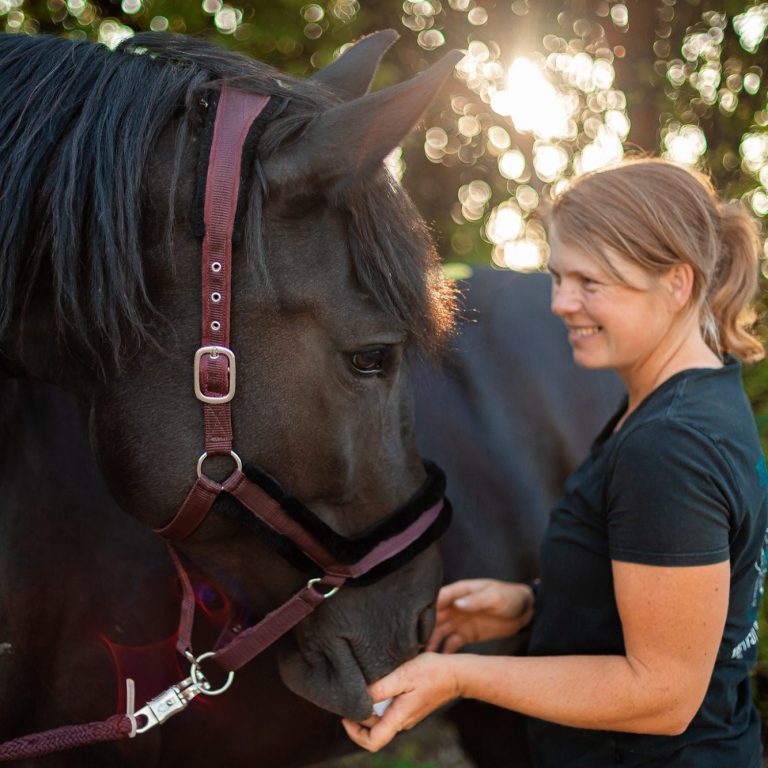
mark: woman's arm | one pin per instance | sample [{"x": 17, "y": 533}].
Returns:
[{"x": 673, "y": 620}]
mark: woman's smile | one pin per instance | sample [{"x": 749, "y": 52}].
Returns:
[{"x": 579, "y": 332}]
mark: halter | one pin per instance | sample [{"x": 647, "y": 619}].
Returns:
[{"x": 289, "y": 528}]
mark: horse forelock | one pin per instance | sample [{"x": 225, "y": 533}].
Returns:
[{"x": 76, "y": 132}]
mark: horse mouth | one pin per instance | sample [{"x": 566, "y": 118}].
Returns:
[{"x": 332, "y": 679}]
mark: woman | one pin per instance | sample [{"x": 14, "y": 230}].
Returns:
[{"x": 652, "y": 567}]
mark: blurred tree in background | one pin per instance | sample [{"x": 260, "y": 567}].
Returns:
[{"x": 547, "y": 89}]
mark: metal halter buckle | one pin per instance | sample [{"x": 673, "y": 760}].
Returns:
[{"x": 214, "y": 352}]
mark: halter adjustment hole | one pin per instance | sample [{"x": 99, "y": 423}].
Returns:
[
  {"x": 216, "y": 267},
  {"x": 215, "y": 297},
  {"x": 215, "y": 325}
]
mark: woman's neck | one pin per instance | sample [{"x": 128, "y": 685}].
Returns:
[{"x": 681, "y": 353}]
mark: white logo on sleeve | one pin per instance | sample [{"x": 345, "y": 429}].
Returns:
[{"x": 748, "y": 642}]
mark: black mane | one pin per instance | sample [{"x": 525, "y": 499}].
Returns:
[{"x": 76, "y": 130}]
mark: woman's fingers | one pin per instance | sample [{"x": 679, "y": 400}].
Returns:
[
  {"x": 453, "y": 642},
  {"x": 449, "y": 637},
  {"x": 372, "y": 739},
  {"x": 442, "y": 630},
  {"x": 389, "y": 686},
  {"x": 458, "y": 589},
  {"x": 376, "y": 732},
  {"x": 474, "y": 595},
  {"x": 487, "y": 598},
  {"x": 418, "y": 687}
]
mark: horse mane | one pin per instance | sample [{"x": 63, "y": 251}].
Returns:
[{"x": 77, "y": 129}]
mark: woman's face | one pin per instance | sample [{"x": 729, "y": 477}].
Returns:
[{"x": 611, "y": 324}]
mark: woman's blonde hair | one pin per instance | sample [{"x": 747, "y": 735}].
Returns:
[{"x": 658, "y": 214}]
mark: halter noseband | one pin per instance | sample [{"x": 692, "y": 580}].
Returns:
[{"x": 295, "y": 532}]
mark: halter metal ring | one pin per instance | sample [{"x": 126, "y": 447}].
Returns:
[
  {"x": 199, "y": 679},
  {"x": 330, "y": 593},
  {"x": 202, "y": 459}
]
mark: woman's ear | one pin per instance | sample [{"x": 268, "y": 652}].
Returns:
[{"x": 678, "y": 280}]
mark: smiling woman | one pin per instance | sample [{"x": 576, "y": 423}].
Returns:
[{"x": 652, "y": 566}]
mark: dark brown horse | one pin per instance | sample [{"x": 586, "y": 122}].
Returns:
[{"x": 102, "y": 168}]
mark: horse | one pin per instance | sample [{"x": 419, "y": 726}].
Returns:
[{"x": 107, "y": 161}]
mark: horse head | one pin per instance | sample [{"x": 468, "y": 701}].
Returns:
[{"x": 334, "y": 280}]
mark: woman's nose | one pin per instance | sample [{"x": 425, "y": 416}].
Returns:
[{"x": 565, "y": 300}]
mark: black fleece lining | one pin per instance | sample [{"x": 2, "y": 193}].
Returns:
[
  {"x": 197, "y": 214},
  {"x": 345, "y": 550},
  {"x": 273, "y": 108}
]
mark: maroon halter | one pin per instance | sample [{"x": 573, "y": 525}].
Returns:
[{"x": 214, "y": 382}]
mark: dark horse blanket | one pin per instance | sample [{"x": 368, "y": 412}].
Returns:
[{"x": 508, "y": 415}]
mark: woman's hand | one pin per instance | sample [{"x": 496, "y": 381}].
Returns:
[
  {"x": 474, "y": 610},
  {"x": 417, "y": 688}
]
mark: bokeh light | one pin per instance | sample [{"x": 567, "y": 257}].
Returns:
[
  {"x": 112, "y": 32},
  {"x": 543, "y": 116},
  {"x": 751, "y": 25},
  {"x": 684, "y": 143},
  {"x": 543, "y": 100}
]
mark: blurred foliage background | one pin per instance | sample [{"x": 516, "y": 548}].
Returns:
[{"x": 546, "y": 89}]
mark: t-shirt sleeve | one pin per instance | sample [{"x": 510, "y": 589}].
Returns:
[{"x": 669, "y": 498}]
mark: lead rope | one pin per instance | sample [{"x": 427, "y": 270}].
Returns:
[{"x": 71, "y": 736}]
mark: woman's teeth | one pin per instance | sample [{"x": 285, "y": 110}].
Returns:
[{"x": 591, "y": 331}]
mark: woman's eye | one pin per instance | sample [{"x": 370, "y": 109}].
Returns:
[{"x": 368, "y": 361}]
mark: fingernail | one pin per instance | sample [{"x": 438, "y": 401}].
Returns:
[
  {"x": 380, "y": 707},
  {"x": 462, "y": 602}
]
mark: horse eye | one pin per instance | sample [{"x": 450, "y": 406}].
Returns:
[{"x": 368, "y": 361}]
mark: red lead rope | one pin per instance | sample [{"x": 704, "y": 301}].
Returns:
[{"x": 68, "y": 737}]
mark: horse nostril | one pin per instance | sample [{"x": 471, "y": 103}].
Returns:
[{"x": 425, "y": 624}]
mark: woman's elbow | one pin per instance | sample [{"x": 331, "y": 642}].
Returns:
[
  {"x": 674, "y": 726},
  {"x": 674, "y": 721},
  {"x": 670, "y": 703}
]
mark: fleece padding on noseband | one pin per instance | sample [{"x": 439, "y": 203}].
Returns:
[{"x": 345, "y": 550}]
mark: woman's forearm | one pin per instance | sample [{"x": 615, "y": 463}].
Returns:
[{"x": 600, "y": 692}]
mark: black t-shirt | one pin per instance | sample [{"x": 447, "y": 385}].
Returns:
[{"x": 682, "y": 482}]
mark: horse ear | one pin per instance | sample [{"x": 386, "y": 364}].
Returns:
[
  {"x": 346, "y": 143},
  {"x": 351, "y": 74}
]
